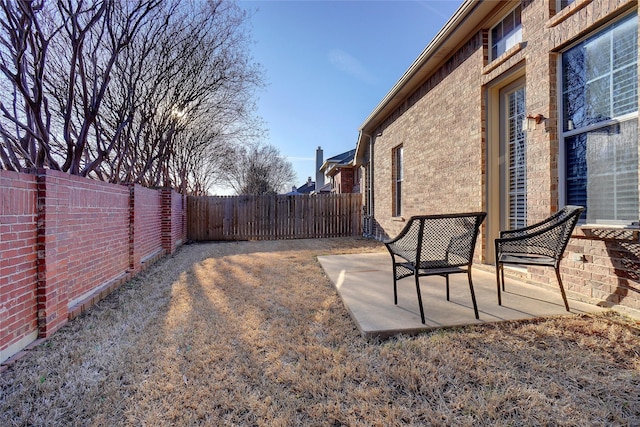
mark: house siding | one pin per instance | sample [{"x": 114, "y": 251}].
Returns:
[
  {"x": 445, "y": 128},
  {"x": 435, "y": 128}
]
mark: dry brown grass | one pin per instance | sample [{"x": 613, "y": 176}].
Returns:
[{"x": 253, "y": 333}]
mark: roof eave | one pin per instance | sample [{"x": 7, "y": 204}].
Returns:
[
  {"x": 463, "y": 22},
  {"x": 327, "y": 164}
]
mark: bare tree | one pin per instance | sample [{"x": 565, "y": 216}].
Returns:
[
  {"x": 202, "y": 86},
  {"x": 148, "y": 91},
  {"x": 258, "y": 169},
  {"x": 197, "y": 174},
  {"x": 62, "y": 54},
  {"x": 25, "y": 109}
]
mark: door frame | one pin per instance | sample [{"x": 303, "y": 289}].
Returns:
[{"x": 495, "y": 159}]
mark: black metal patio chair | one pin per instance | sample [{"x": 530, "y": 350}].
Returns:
[
  {"x": 431, "y": 245},
  {"x": 540, "y": 244}
]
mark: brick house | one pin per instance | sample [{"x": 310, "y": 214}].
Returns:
[
  {"x": 344, "y": 176},
  {"x": 518, "y": 108}
]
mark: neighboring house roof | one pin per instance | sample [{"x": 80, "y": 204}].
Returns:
[
  {"x": 345, "y": 157},
  {"x": 465, "y": 21},
  {"x": 330, "y": 166},
  {"x": 307, "y": 187}
]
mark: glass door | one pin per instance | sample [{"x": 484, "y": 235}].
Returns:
[{"x": 513, "y": 154}]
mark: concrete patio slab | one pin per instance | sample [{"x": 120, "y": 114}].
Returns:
[{"x": 365, "y": 284}]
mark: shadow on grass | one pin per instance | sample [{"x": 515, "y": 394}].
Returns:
[
  {"x": 244, "y": 335},
  {"x": 240, "y": 339}
]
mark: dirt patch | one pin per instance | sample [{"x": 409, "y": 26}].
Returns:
[{"x": 253, "y": 333}]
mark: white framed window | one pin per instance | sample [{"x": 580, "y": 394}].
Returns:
[
  {"x": 506, "y": 33},
  {"x": 398, "y": 177},
  {"x": 599, "y": 139}
]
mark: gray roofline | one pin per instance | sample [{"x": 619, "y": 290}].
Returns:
[{"x": 338, "y": 160}]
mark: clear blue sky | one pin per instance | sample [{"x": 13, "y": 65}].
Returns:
[{"x": 329, "y": 63}]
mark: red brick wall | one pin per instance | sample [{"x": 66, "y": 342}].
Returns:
[
  {"x": 344, "y": 180},
  {"x": 174, "y": 226},
  {"x": 66, "y": 242},
  {"x": 86, "y": 237},
  {"x": 18, "y": 228},
  {"x": 147, "y": 214},
  {"x": 178, "y": 220}
]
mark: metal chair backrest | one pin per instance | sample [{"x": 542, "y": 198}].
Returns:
[
  {"x": 444, "y": 240},
  {"x": 547, "y": 238},
  {"x": 450, "y": 240}
]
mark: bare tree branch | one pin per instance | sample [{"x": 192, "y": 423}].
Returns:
[
  {"x": 258, "y": 169},
  {"x": 148, "y": 91}
]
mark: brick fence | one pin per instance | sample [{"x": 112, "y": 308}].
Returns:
[{"x": 66, "y": 242}]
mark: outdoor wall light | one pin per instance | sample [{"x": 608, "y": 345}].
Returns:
[{"x": 532, "y": 121}]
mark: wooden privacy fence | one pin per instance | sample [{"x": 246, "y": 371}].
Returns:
[{"x": 273, "y": 217}]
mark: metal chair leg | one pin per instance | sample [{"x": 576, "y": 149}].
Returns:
[
  {"x": 498, "y": 282},
  {"x": 564, "y": 295},
  {"x": 395, "y": 286},
  {"x": 473, "y": 295},
  {"x": 419, "y": 298},
  {"x": 446, "y": 276}
]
